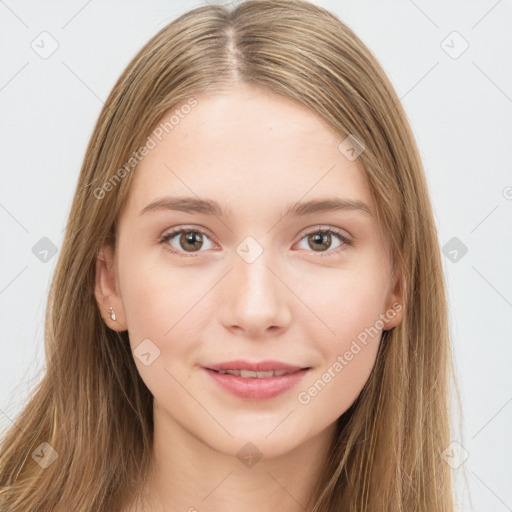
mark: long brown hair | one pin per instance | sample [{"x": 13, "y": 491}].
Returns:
[{"x": 93, "y": 410}]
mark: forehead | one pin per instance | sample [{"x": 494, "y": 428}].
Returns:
[{"x": 246, "y": 143}]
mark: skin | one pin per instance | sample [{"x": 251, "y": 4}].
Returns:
[{"x": 254, "y": 152}]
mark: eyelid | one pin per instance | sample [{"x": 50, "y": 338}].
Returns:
[
  {"x": 326, "y": 227},
  {"x": 167, "y": 236},
  {"x": 347, "y": 240}
]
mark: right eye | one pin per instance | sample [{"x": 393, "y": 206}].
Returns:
[{"x": 189, "y": 239}]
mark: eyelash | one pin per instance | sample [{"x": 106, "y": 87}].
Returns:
[{"x": 346, "y": 242}]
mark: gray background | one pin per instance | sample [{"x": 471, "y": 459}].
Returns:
[{"x": 459, "y": 104}]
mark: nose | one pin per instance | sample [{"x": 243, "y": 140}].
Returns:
[{"x": 256, "y": 302}]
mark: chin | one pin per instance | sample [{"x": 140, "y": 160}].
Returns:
[{"x": 262, "y": 444}]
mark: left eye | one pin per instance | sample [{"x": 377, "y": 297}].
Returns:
[
  {"x": 194, "y": 239},
  {"x": 323, "y": 237}
]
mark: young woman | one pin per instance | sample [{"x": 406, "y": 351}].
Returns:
[{"x": 248, "y": 311}]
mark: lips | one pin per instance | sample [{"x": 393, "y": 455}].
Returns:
[
  {"x": 256, "y": 381},
  {"x": 260, "y": 366},
  {"x": 246, "y": 374}
]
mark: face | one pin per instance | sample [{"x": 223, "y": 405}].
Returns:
[{"x": 250, "y": 284}]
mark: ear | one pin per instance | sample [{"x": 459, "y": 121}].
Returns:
[
  {"x": 395, "y": 307},
  {"x": 107, "y": 291}
]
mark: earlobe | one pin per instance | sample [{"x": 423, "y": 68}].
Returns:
[
  {"x": 106, "y": 291},
  {"x": 394, "y": 311},
  {"x": 393, "y": 315}
]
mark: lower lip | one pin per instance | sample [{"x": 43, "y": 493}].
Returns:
[{"x": 254, "y": 388}]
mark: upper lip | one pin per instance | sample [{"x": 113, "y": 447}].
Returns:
[{"x": 259, "y": 366}]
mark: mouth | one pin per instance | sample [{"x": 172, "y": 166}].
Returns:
[
  {"x": 260, "y": 369},
  {"x": 256, "y": 381},
  {"x": 249, "y": 374}
]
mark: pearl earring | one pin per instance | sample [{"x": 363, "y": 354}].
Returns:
[{"x": 112, "y": 314}]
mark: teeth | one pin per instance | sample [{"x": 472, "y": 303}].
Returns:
[{"x": 249, "y": 374}]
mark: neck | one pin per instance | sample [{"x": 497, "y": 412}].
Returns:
[{"x": 188, "y": 475}]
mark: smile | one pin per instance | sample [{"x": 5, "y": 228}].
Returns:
[
  {"x": 256, "y": 384},
  {"x": 249, "y": 374}
]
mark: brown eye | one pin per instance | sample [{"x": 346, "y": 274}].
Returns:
[
  {"x": 321, "y": 239},
  {"x": 189, "y": 241}
]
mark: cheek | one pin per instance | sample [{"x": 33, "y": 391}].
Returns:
[
  {"x": 347, "y": 303},
  {"x": 347, "y": 357},
  {"x": 349, "y": 354},
  {"x": 164, "y": 313},
  {"x": 150, "y": 300},
  {"x": 350, "y": 306},
  {"x": 154, "y": 294},
  {"x": 332, "y": 389}
]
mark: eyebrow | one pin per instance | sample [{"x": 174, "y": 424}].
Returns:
[{"x": 298, "y": 209}]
